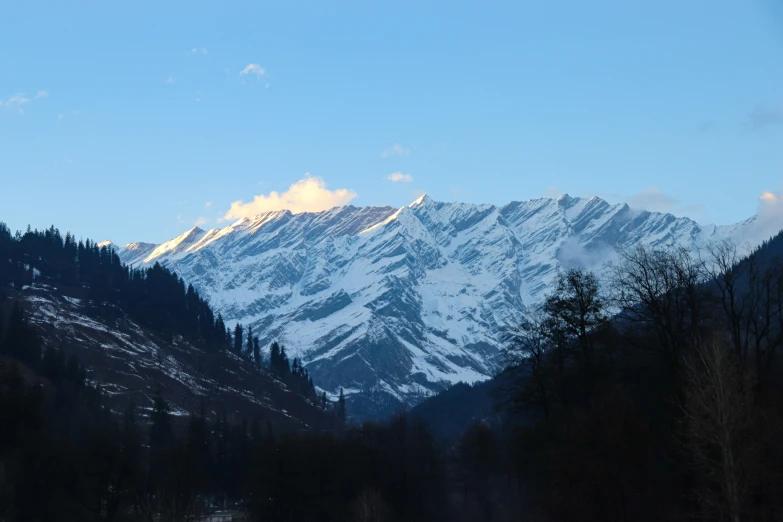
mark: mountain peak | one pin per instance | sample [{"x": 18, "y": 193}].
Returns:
[
  {"x": 424, "y": 198},
  {"x": 194, "y": 230},
  {"x": 372, "y": 299}
]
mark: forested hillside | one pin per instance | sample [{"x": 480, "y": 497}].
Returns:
[{"x": 669, "y": 410}]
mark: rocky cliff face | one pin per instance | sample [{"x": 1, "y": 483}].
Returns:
[{"x": 395, "y": 304}]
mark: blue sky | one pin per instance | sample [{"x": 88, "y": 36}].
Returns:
[{"x": 134, "y": 122}]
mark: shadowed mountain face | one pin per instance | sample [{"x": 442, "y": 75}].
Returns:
[
  {"x": 128, "y": 362},
  {"x": 396, "y": 304}
]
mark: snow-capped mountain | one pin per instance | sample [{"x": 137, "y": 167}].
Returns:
[{"x": 397, "y": 303}]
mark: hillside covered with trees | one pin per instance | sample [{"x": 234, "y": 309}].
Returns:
[{"x": 653, "y": 393}]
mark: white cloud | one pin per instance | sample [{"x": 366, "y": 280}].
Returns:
[
  {"x": 253, "y": 68},
  {"x": 769, "y": 216},
  {"x": 18, "y": 101},
  {"x": 395, "y": 150},
  {"x": 309, "y": 194},
  {"x": 201, "y": 221},
  {"x": 399, "y": 176},
  {"x": 207, "y": 204},
  {"x": 15, "y": 101},
  {"x": 199, "y": 50},
  {"x": 170, "y": 79}
]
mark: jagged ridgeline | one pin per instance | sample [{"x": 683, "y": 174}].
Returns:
[
  {"x": 75, "y": 286},
  {"x": 395, "y": 304}
]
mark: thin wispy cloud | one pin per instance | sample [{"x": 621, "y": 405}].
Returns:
[
  {"x": 207, "y": 204},
  {"x": 253, "y": 69},
  {"x": 396, "y": 177},
  {"x": 395, "y": 150},
  {"x": 309, "y": 194},
  {"x": 169, "y": 79},
  {"x": 199, "y": 50},
  {"x": 18, "y": 101},
  {"x": 59, "y": 116},
  {"x": 201, "y": 221}
]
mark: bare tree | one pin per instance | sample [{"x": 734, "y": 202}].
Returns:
[
  {"x": 661, "y": 289},
  {"x": 526, "y": 348},
  {"x": 719, "y": 421},
  {"x": 369, "y": 506},
  {"x": 750, "y": 295}
]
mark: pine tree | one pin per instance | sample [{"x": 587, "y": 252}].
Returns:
[
  {"x": 238, "y": 339},
  {"x": 249, "y": 349},
  {"x": 274, "y": 358}
]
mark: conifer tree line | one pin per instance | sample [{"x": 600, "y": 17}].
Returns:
[
  {"x": 66, "y": 456},
  {"x": 154, "y": 297},
  {"x": 652, "y": 393}
]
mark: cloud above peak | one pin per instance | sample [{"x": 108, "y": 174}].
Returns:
[
  {"x": 253, "y": 68},
  {"x": 309, "y": 194},
  {"x": 769, "y": 218},
  {"x": 395, "y": 177}
]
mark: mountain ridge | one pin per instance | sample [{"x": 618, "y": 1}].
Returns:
[{"x": 394, "y": 304}]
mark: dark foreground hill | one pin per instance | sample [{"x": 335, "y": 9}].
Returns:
[
  {"x": 138, "y": 333},
  {"x": 130, "y": 363}
]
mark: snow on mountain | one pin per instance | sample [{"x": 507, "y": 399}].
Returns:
[
  {"x": 394, "y": 304},
  {"x": 131, "y": 362}
]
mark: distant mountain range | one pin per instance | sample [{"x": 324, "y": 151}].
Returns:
[{"x": 395, "y": 304}]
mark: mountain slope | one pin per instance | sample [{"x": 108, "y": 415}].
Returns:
[
  {"x": 395, "y": 304},
  {"x": 129, "y": 362}
]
